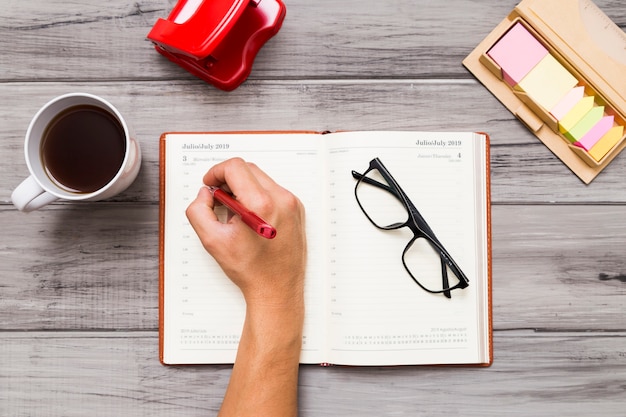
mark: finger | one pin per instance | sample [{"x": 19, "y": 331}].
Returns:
[
  {"x": 248, "y": 183},
  {"x": 202, "y": 217},
  {"x": 236, "y": 174}
]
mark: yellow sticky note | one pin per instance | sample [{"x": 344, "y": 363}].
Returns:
[
  {"x": 585, "y": 124},
  {"x": 547, "y": 83},
  {"x": 606, "y": 143},
  {"x": 578, "y": 112}
]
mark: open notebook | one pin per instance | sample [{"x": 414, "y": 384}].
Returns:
[{"x": 362, "y": 308}]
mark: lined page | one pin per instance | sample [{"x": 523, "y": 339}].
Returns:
[
  {"x": 378, "y": 315},
  {"x": 204, "y": 311}
]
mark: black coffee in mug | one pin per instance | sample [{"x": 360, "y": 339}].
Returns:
[{"x": 83, "y": 148}]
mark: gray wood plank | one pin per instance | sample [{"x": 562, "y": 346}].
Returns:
[
  {"x": 105, "y": 374},
  {"x": 318, "y": 39},
  {"x": 95, "y": 266},
  {"x": 84, "y": 267},
  {"x": 359, "y": 39},
  {"x": 559, "y": 267},
  {"x": 523, "y": 169}
]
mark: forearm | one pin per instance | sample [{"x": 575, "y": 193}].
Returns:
[{"x": 264, "y": 381}]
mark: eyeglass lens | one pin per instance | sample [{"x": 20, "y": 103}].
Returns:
[
  {"x": 423, "y": 261},
  {"x": 380, "y": 205}
]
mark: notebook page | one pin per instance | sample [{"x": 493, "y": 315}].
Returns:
[
  {"x": 379, "y": 316},
  {"x": 203, "y": 309}
]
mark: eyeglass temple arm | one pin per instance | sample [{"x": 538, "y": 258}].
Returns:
[
  {"x": 446, "y": 259},
  {"x": 444, "y": 277}
]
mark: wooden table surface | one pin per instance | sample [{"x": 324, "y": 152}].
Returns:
[{"x": 79, "y": 284}]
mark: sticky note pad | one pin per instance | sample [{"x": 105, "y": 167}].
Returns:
[
  {"x": 606, "y": 143},
  {"x": 547, "y": 83},
  {"x": 567, "y": 103},
  {"x": 585, "y": 124},
  {"x": 575, "y": 114},
  {"x": 595, "y": 133},
  {"x": 517, "y": 52}
]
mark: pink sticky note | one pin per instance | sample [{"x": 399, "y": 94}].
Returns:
[
  {"x": 517, "y": 52},
  {"x": 593, "y": 136},
  {"x": 567, "y": 103}
]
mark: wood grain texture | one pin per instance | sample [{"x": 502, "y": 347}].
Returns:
[
  {"x": 78, "y": 282},
  {"x": 95, "y": 266},
  {"x": 523, "y": 169},
  {"x": 319, "y": 40},
  {"x": 400, "y": 38},
  {"x": 105, "y": 374}
]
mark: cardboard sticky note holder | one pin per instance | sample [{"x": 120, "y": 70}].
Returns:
[
  {"x": 217, "y": 40},
  {"x": 560, "y": 67}
]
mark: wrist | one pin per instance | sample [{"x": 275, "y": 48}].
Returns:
[
  {"x": 276, "y": 297},
  {"x": 276, "y": 324},
  {"x": 279, "y": 318}
]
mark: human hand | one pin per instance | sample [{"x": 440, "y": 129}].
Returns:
[{"x": 270, "y": 273}]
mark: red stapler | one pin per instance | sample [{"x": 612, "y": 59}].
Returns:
[{"x": 217, "y": 40}]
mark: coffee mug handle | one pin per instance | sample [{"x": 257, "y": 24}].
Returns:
[{"x": 29, "y": 196}]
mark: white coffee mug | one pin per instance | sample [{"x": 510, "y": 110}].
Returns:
[{"x": 77, "y": 147}]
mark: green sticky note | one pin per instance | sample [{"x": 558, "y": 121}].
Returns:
[
  {"x": 575, "y": 114},
  {"x": 547, "y": 83},
  {"x": 585, "y": 124}
]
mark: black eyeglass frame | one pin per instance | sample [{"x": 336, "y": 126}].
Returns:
[{"x": 416, "y": 223}]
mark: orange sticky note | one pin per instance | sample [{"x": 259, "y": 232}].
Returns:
[{"x": 606, "y": 143}]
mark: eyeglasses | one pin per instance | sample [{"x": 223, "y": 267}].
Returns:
[{"x": 372, "y": 192}]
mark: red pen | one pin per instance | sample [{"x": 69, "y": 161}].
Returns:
[{"x": 250, "y": 218}]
